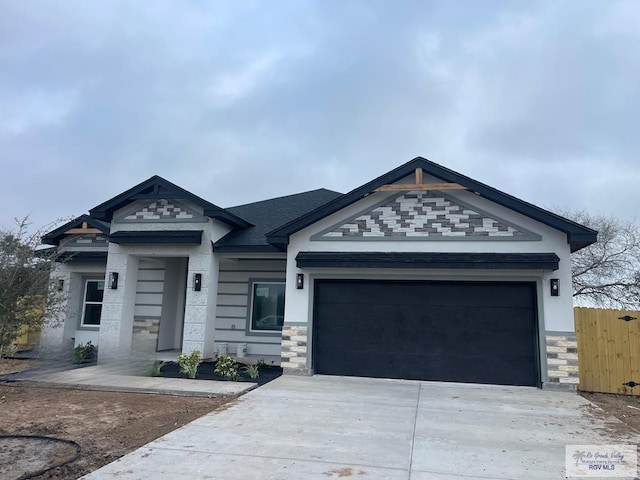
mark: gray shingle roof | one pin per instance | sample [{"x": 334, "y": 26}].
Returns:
[{"x": 268, "y": 215}]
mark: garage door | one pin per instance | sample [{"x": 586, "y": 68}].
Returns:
[{"x": 478, "y": 332}]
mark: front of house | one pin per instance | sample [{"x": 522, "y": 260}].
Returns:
[{"x": 422, "y": 273}]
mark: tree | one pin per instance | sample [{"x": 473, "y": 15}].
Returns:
[
  {"x": 607, "y": 273},
  {"x": 25, "y": 290}
]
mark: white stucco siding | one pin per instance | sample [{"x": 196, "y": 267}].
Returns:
[
  {"x": 61, "y": 334},
  {"x": 233, "y": 303},
  {"x": 555, "y": 313}
]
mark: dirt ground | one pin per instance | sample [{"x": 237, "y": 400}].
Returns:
[
  {"x": 625, "y": 408},
  {"x": 106, "y": 425}
]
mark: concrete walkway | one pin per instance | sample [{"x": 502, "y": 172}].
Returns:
[
  {"x": 112, "y": 378},
  {"x": 335, "y": 427}
]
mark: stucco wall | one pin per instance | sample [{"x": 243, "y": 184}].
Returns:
[{"x": 62, "y": 333}]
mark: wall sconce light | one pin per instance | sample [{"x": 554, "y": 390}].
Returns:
[
  {"x": 61, "y": 284},
  {"x": 554, "y": 284},
  {"x": 300, "y": 281},
  {"x": 113, "y": 280},
  {"x": 197, "y": 282}
]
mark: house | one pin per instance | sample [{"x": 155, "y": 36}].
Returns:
[{"x": 421, "y": 273}]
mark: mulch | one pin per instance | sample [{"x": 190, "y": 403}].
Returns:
[{"x": 206, "y": 372}]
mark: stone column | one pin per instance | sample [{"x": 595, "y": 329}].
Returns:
[
  {"x": 562, "y": 360},
  {"x": 116, "y": 322},
  {"x": 200, "y": 307},
  {"x": 294, "y": 349}
]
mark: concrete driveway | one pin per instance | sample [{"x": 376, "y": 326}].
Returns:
[{"x": 338, "y": 427}]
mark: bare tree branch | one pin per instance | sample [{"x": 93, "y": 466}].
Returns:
[{"x": 607, "y": 273}]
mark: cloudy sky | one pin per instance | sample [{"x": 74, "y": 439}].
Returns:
[{"x": 244, "y": 100}]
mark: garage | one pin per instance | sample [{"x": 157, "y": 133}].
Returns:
[{"x": 476, "y": 332}]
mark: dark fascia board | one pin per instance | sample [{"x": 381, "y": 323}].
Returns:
[
  {"x": 405, "y": 260},
  {"x": 155, "y": 237},
  {"x": 82, "y": 257},
  {"x": 244, "y": 248},
  {"x": 55, "y": 236},
  {"x": 148, "y": 190},
  {"x": 578, "y": 236}
]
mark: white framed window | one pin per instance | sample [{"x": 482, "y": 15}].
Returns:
[
  {"x": 267, "y": 306},
  {"x": 92, "y": 303}
]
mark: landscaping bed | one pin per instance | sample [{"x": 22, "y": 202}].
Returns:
[{"x": 206, "y": 372}]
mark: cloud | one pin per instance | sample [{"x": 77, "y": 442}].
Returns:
[{"x": 538, "y": 99}]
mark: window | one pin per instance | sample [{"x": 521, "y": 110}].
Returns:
[
  {"x": 92, "y": 303},
  {"x": 267, "y": 306}
]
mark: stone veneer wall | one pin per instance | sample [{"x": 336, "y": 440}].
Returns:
[
  {"x": 562, "y": 359},
  {"x": 145, "y": 334},
  {"x": 294, "y": 350}
]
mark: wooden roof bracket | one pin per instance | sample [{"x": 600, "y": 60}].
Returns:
[
  {"x": 419, "y": 186},
  {"x": 83, "y": 230}
]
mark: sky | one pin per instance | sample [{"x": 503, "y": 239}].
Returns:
[{"x": 239, "y": 101}]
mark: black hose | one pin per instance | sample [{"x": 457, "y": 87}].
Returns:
[{"x": 28, "y": 476}]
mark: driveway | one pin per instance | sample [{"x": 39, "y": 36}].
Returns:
[{"x": 339, "y": 427}]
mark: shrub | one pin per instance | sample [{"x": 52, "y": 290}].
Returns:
[
  {"x": 84, "y": 351},
  {"x": 8, "y": 350},
  {"x": 252, "y": 370},
  {"x": 189, "y": 363},
  {"x": 227, "y": 367},
  {"x": 156, "y": 367}
]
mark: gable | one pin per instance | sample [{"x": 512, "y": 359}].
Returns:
[
  {"x": 81, "y": 231},
  {"x": 158, "y": 189},
  {"x": 578, "y": 236},
  {"x": 159, "y": 210},
  {"x": 425, "y": 215},
  {"x": 89, "y": 240}
]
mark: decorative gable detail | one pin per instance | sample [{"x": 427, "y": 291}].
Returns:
[
  {"x": 87, "y": 240},
  {"x": 161, "y": 210},
  {"x": 425, "y": 215}
]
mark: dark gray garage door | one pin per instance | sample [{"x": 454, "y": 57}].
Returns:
[{"x": 478, "y": 332}]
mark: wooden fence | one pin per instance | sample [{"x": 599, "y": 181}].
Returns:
[{"x": 608, "y": 350}]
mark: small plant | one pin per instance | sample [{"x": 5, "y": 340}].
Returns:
[
  {"x": 227, "y": 367},
  {"x": 261, "y": 364},
  {"x": 189, "y": 363},
  {"x": 156, "y": 367},
  {"x": 252, "y": 370},
  {"x": 84, "y": 351},
  {"x": 8, "y": 350}
]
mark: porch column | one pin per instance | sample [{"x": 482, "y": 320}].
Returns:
[
  {"x": 200, "y": 306},
  {"x": 116, "y": 321}
]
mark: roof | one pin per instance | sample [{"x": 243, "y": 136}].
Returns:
[
  {"x": 158, "y": 188},
  {"x": 55, "y": 236},
  {"x": 268, "y": 215},
  {"x": 578, "y": 236}
]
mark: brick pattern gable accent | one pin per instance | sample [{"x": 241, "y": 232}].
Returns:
[
  {"x": 87, "y": 240},
  {"x": 161, "y": 210},
  {"x": 424, "y": 214}
]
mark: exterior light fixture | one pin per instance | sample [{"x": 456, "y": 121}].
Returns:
[
  {"x": 60, "y": 284},
  {"x": 300, "y": 281},
  {"x": 197, "y": 282},
  {"x": 554, "y": 284},
  {"x": 113, "y": 280}
]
